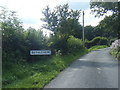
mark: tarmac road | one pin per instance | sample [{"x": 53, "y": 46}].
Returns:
[{"x": 97, "y": 69}]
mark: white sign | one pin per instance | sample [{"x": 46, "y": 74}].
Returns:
[{"x": 40, "y": 52}]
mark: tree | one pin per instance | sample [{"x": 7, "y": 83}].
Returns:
[
  {"x": 61, "y": 20},
  {"x": 103, "y": 7},
  {"x": 50, "y": 19},
  {"x": 16, "y": 41},
  {"x": 89, "y": 35},
  {"x": 108, "y": 26},
  {"x": 64, "y": 23},
  {"x": 34, "y": 39},
  {"x": 12, "y": 30}
]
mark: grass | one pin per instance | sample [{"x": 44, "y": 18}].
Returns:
[
  {"x": 37, "y": 74},
  {"x": 97, "y": 47}
]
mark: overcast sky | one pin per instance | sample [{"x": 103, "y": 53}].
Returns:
[{"x": 30, "y": 11}]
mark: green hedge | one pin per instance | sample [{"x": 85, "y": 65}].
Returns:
[
  {"x": 97, "y": 41},
  {"x": 66, "y": 45},
  {"x": 74, "y": 44},
  {"x": 97, "y": 47}
]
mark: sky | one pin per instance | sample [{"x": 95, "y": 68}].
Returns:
[{"x": 30, "y": 11}]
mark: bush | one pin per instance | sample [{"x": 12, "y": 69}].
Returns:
[
  {"x": 74, "y": 44},
  {"x": 66, "y": 45},
  {"x": 97, "y": 41},
  {"x": 115, "y": 52},
  {"x": 115, "y": 49},
  {"x": 58, "y": 43}
]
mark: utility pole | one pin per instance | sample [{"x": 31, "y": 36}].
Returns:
[{"x": 83, "y": 29}]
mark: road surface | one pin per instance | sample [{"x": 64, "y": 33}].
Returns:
[{"x": 97, "y": 69}]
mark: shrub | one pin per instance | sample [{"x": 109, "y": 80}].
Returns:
[
  {"x": 74, "y": 44},
  {"x": 115, "y": 49},
  {"x": 66, "y": 45},
  {"x": 116, "y": 44},
  {"x": 59, "y": 43}
]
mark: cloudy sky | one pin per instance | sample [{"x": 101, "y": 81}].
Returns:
[{"x": 30, "y": 11}]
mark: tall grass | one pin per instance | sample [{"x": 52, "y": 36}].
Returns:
[{"x": 38, "y": 74}]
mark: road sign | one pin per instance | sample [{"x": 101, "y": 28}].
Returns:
[{"x": 40, "y": 52}]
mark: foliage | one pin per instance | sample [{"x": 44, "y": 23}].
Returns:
[
  {"x": 89, "y": 32},
  {"x": 112, "y": 40},
  {"x": 116, "y": 44},
  {"x": 20, "y": 69},
  {"x": 115, "y": 52},
  {"x": 58, "y": 42},
  {"x": 16, "y": 41},
  {"x": 17, "y": 44},
  {"x": 74, "y": 44},
  {"x": 62, "y": 20},
  {"x": 102, "y": 7},
  {"x": 115, "y": 49},
  {"x": 97, "y": 41},
  {"x": 12, "y": 35},
  {"x": 111, "y": 22},
  {"x": 66, "y": 45},
  {"x": 103, "y": 29},
  {"x": 37, "y": 74},
  {"x": 107, "y": 27},
  {"x": 64, "y": 23},
  {"x": 97, "y": 47}
]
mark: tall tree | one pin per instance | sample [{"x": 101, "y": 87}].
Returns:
[
  {"x": 61, "y": 19},
  {"x": 89, "y": 35},
  {"x": 12, "y": 30},
  {"x": 101, "y": 7}
]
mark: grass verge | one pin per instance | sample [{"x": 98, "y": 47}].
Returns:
[
  {"x": 37, "y": 74},
  {"x": 97, "y": 47}
]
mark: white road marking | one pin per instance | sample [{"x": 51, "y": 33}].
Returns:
[{"x": 99, "y": 68}]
